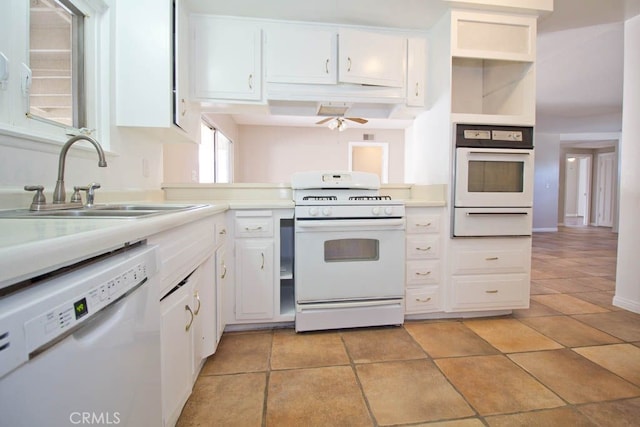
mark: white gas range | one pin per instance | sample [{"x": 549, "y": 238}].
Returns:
[{"x": 349, "y": 252}]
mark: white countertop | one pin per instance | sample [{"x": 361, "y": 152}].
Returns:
[{"x": 29, "y": 247}]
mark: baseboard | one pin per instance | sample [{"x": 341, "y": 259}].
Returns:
[
  {"x": 545, "y": 230},
  {"x": 627, "y": 304}
]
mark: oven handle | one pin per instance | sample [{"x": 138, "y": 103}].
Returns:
[
  {"x": 350, "y": 223},
  {"x": 496, "y": 213}
]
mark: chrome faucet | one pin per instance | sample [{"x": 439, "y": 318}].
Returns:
[{"x": 59, "y": 195}]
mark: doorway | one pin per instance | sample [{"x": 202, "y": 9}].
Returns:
[
  {"x": 577, "y": 192},
  {"x": 605, "y": 195},
  {"x": 370, "y": 157}
]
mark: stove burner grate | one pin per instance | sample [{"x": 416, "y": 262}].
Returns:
[
  {"x": 370, "y": 198},
  {"x": 320, "y": 198}
]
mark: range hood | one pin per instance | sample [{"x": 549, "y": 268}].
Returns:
[{"x": 329, "y": 109}]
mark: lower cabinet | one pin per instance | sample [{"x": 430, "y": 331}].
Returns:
[
  {"x": 490, "y": 273},
  {"x": 254, "y": 279}
]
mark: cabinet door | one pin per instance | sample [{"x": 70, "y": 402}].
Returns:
[
  {"x": 186, "y": 114},
  {"x": 297, "y": 54},
  {"x": 254, "y": 279},
  {"x": 176, "y": 352},
  {"x": 371, "y": 58},
  {"x": 222, "y": 283},
  {"x": 204, "y": 312},
  {"x": 226, "y": 59},
  {"x": 416, "y": 72}
]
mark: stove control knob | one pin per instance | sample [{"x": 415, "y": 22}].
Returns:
[
  {"x": 326, "y": 211},
  {"x": 375, "y": 210},
  {"x": 313, "y": 211},
  {"x": 388, "y": 210}
]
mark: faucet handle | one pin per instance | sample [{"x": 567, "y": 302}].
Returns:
[
  {"x": 38, "y": 198},
  {"x": 90, "y": 193}
]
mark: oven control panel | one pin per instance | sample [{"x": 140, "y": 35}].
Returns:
[{"x": 350, "y": 211}]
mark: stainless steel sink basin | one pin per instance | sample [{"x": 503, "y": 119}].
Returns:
[{"x": 123, "y": 211}]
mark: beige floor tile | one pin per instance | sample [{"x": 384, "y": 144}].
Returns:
[
  {"x": 327, "y": 396},
  {"x": 573, "y": 377},
  {"x": 467, "y": 422},
  {"x": 240, "y": 352},
  {"x": 621, "y": 413},
  {"x": 306, "y": 350},
  {"x": 511, "y": 335},
  {"x": 535, "y": 310},
  {"x": 602, "y": 298},
  {"x": 569, "y": 332},
  {"x": 538, "y": 287},
  {"x": 496, "y": 385},
  {"x": 225, "y": 400},
  {"x": 621, "y": 324},
  {"x": 409, "y": 392},
  {"x": 448, "y": 339},
  {"x": 621, "y": 359},
  {"x": 568, "y": 304},
  {"x": 381, "y": 344},
  {"x": 567, "y": 285},
  {"x": 560, "y": 417}
]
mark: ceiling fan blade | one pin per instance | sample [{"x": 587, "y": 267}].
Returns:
[
  {"x": 357, "y": 120},
  {"x": 323, "y": 121}
]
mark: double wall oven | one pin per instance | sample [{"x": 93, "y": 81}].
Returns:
[
  {"x": 493, "y": 185},
  {"x": 349, "y": 252}
]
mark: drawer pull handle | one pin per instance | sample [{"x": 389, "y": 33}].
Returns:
[
  {"x": 423, "y": 225},
  {"x": 493, "y": 291},
  {"x": 428, "y": 248},
  {"x": 418, "y": 273},
  {"x": 492, "y": 258},
  {"x": 258, "y": 228},
  {"x": 224, "y": 270},
  {"x": 423, "y": 299},
  {"x": 223, "y": 232},
  {"x": 188, "y": 325},
  {"x": 197, "y": 295}
]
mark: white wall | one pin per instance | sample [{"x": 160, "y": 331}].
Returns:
[
  {"x": 273, "y": 153},
  {"x": 545, "y": 186},
  {"x": 628, "y": 269}
]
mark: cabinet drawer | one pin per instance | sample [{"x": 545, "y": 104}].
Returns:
[
  {"x": 423, "y": 224},
  {"x": 422, "y": 300},
  {"x": 477, "y": 261},
  {"x": 504, "y": 291},
  {"x": 254, "y": 227},
  {"x": 423, "y": 246},
  {"x": 423, "y": 272}
]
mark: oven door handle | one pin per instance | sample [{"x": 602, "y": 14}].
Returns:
[
  {"x": 496, "y": 213},
  {"x": 349, "y": 304},
  {"x": 350, "y": 223}
]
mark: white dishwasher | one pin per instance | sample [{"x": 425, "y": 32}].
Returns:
[{"x": 83, "y": 346}]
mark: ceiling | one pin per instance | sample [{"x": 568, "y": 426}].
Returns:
[{"x": 578, "y": 68}]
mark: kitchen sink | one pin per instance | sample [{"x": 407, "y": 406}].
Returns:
[{"x": 123, "y": 211}]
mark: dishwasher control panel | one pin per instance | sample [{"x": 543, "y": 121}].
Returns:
[{"x": 39, "y": 316}]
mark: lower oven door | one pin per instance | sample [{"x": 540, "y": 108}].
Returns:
[
  {"x": 347, "y": 260},
  {"x": 470, "y": 222}
]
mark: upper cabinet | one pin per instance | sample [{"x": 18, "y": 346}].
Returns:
[
  {"x": 301, "y": 54},
  {"x": 371, "y": 58},
  {"x": 226, "y": 58},
  {"x": 492, "y": 68},
  {"x": 416, "y": 72}
]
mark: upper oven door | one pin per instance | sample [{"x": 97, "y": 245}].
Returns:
[{"x": 487, "y": 177}]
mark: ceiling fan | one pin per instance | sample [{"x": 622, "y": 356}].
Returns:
[{"x": 335, "y": 118}]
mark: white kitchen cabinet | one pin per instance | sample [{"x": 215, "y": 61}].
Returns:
[
  {"x": 222, "y": 286},
  {"x": 177, "y": 351},
  {"x": 490, "y": 273},
  {"x": 424, "y": 259},
  {"x": 204, "y": 306},
  {"x": 144, "y": 73},
  {"x": 301, "y": 54},
  {"x": 254, "y": 265},
  {"x": 416, "y": 71},
  {"x": 226, "y": 58},
  {"x": 492, "y": 68},
  {"x": 371, "y": 58}
]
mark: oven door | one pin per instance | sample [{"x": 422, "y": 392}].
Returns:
[
  {"x": 348, "y": 260},
  {"x": 488, "y": 177}
]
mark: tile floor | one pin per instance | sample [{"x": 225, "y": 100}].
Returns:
[{"x": 572, "y": 359}]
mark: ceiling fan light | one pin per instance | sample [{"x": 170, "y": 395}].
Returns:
[
  {"x": 333, "y": 124},
  {"x": 342, "y": 125}
]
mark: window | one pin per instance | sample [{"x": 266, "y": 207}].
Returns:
[
  {"x": 370, "y": 157},
  {"x": 215, "y": 155},
  {"x": 56, "y": 59}
]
